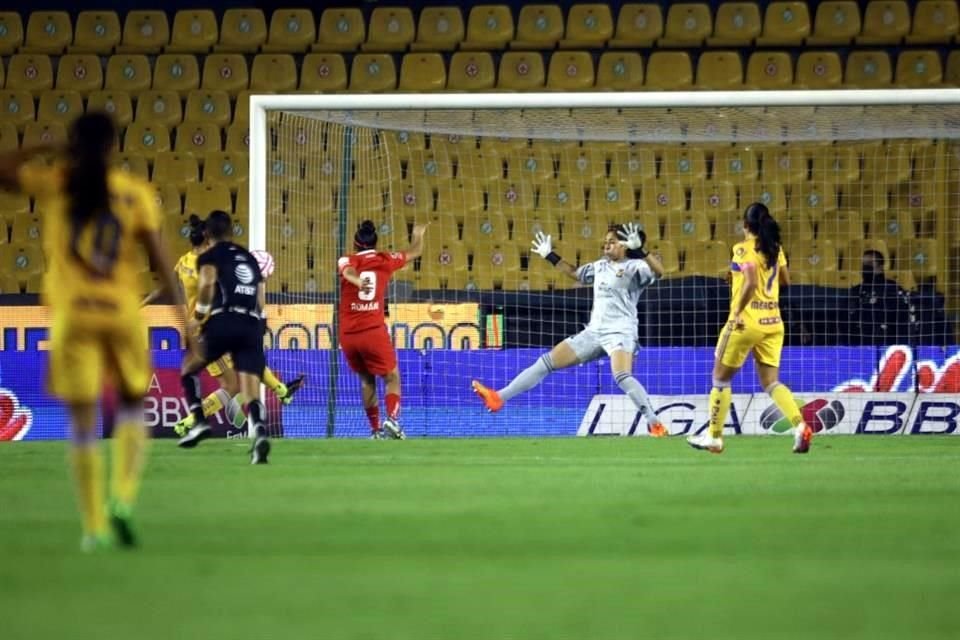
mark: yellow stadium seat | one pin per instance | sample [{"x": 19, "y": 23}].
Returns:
[
  {"x": 852, "y": 252},
  {"x": 128, "y": 72},
  {"x": 242, "y": 31},
  {"x": 96, "y": 32},
  {"x": 198, "y": 138},
  {"x": 562, "y": 200},
  {"x": 539, "y": 26},
  {"x": 843, "y": 226},
  {"x": 471, "y": 71},
  {"x": 391, "y": 29},
  {"x": 413, "y": 199},
  {"x": 638, "y": 25},
  {"x": 443, "y": 255},
  {"x": 952, "y": 76},
  {"x": 719, "y": 70},
  {"x": 423, "y": 72},
  {"x": 11, "y": 32},
  {"x": 784, "y": 165},
  {"x": 812, "y": 255},
  {"x": 837, "y": 22},
  {"x": 531, "y": 166},
  {"x": 633, "y": 166},
  {"x": 12, "y": 205},
  {"x": 291, "y": 31},
  {"x": 59, "y": 106},
  {"x": 891, "y": 226},
  {"x": 273, "y": 72},
  {"x": 498, "y": 260},
  {"x": 688, "y": 230},
  {"x": 116, "y": 103},
  {"x": 934, "y": 22},
  {"x": 716, "y": 199},
  {"x": 683, "y": 164},
  {"x": 688, "y": 25},
  {"x": 514, "y": 200},
  {"x": 885, "y": 22},
  {"x": 225, "y": 167},
  {"x": 918, "y": 69},
  {"x": 194, "y": 31},
  {"x": 589, "y": 26},
  {"x": 729, "y": 228},
  {"x": 480, "y": 167},
  {"x": 131, "y": 163},
  {"x": 582, "y": 165},
  {"x": 146, "y": 139},
  {"x": 168, "y": 199},
  {"x": 772, "y": 194},
  {"x": 145, "y": 32},
  {"x": 208, "y": 106},
  {"x": 785, "y": 24},
  {"x": 521, "y": 71},
  {"x": 373, "y": 72},
  {"x": 570, "y": 71},
  {"x": 25, "y": 229},
  {"x": 737, "y": 24},
  {"x": 176, "y": 168},
  {"x": 668, "y": 255},
  {"x": 710, "y": 259},
  {"x": 340, "y": 30},
  {"x": 21, "y": 260},
  {"x": 890, "y": 164},
  {"x": 159, "y": 107},
  {"x": 610, "y": 200},
  {"x": 488, "y": 27},
  {"x": 868, "y": 70},
  {"x": 669, "y": 70},
  {"x": 584, "y": 232},
  {"x": 465, "y": 201},
  {"x": 323, "y": 72},
  {"x": 204, "y": 197},
  {"x": 663, "y": 199},
  {"x": 16, "y": 107},
  {"x": 79, "y": 72},
  {"x": 819, "y": 70},
  {"x": 29, "y": 72},
  {"x": 735, "y": 165},
  {"x": 44, "y": 133},
  {"x": 431, "y": 166},
  {"x": 225, "y": 72},
  {"x": 836, "y": 165},
  {"x": 815, "y": 200},
  {"x": 620, "y": 71},
  {"x": 770, "y": 70},
  {"x": 48, "y": 32},
  {"x": 921, "y": 257},
  {"x": 527, "y": 224}
]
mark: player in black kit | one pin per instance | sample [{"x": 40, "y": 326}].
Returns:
[{"x": 229, "y": 318}]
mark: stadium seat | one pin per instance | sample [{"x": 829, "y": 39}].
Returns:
[
  {"x": 497, "y": 262},
  {"x": 836, "y": 165},
  {"x": 159, "y": 107},
  {"x": 202, "y": 198},
  {"x": 819, "y": 70},
  {"x": 526, "y": 225},
  {"x": 952, "y": 76},
  {"x": 570, "y": 71},
  {"x": 48, "y": 32},
  {"x": 176, "y": 168},
  {"x": 638, "y": 25},
  {"x": 241, "y": 112},
  {"x": 934, "y": 22},
  {"x": 439, "y": 29},
  {"x": 771, "y": 194},
  {"x": 116, "y": 103},
  {"x": 921, "y": 257},
  {"x": 729, "y": 228},
  {"x": 12, "y": 205},
  {"x": 11, "y": 32},
  {"x": 198, "y": 138},
  {"x": 340, "y": 30},
  {"x": 633, "y": 166},
  {"x": 37, "y": 134},
  {"x": 785, "y": 24},
  {"x": 885, "y": 22},
  {"x": 291, "y": 31},
  {"x": 683, "y": 164},
  {"x": 852, "y": 252},
  {"x": 610, "y": 200},
  {"x": 323, "y": 72},
  {"x": 144, "y": 32},
  {"x": 889, "y": 165},
  {"x": 589, "y": 26},
  {"x": 812, "y": 255},
  {"x": 225, "y": 72},
  {"x": 59, "y": 106},
  {"x": 242, "y": 31},
  {"x": 562, "y": 200},
  {"x": 128, "y": 72},
  {"x": 29, "y": 72},
  {"x": 431, "y": 166},
  {"x": 918, "y": 70},
  {"x": 663, "y": 199},
  {"x": 539, "y": 26},
  {"x": 79, "y": 72},
  {"x": 480, "y": 167},
  {"x": 373, "y": 72},
  {"x": 390, "y": 29},
  {"x": 488, "y": 27},
  {"x": 891, "y": 226},
  {"x": 131, "y": 163},
  {"x": 669, "y": 70},
  {"x": 225, "y": 167},
  {"x": 688, "y": 230},
  {"x": 471, "y": 71},
  {"x": 465, "y": 201},
  {"x": 668, "y": 255},
  {"x": 737, "y": 24},
  {"x": 770, "y": 70},
  {"x": 521, "y": 71},
  {"x": 620, "y": 71},
  {"x": 146, "y": 139},
  {"x": 735, "y": 165},
  {"x": 422, "y": 72},
  {"x": 815, "y": 200},
  {"x": 22, "y": 260},
  {"x": 582, "y": 165},
  {"x": 688, "y": 25},
  {"x": 784, "y": 165},
  {"x": 16, "y": 107},
  {"x": 273, "y": 72},
  {"x": 532, "y": 166},
  {"x": 716, "y": 199},
  {"x": 208, "y": 106},
  {"x": 96, "y": 32},
  {"x": 513, "y": 200},
  {"x": 868, "y": 70},
  {"x": 719, "y": 70},
  {"x": 843, "y": 226},
  {"x": 710, "y": 259},
  {"x": 176, "y": 72},
  {"x": 837, "y": 22},
  {"x": 194, "y": 31}
]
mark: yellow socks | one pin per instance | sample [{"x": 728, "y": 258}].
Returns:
[
  {"x": 129, "y": 457},
  {"x": 271, "y": 380},
  {"x": 783, "y": 398},
  {"x": 720, "y": 398},
  {"x": 87, "y": 462}
]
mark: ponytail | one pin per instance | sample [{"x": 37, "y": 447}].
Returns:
[
  {"x": 91, "y": 137},
  {"x": 760, "y": 223}
]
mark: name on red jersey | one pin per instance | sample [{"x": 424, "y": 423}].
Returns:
[{"x": 365, "y": 306}]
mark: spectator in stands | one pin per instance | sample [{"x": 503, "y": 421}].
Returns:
[{"x": 879, "y": 308}]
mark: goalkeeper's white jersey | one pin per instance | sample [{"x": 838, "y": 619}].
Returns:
[{"x": 617, "y": 287}]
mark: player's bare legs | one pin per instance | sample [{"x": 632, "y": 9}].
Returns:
[
  {"x": 130, "y": 440},
  {"x": 720, "y": 398},
  {"x": 392, "y": 399},
  {"x": 226, "y": 398},
  {"x": 190, "y": 380},
  {"x": 560, "y": 357},
  {"x": 87, "y": 461},
  {"x": 621, "y": 365},
  {"x": 783, "y": 398},
  {"x": 257, "y": 417},
  {"x": 371, "y": 406}
]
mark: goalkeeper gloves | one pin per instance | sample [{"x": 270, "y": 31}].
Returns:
[
  {"x": 543, "y": 247},
  {"x": 633, "y": 238}
]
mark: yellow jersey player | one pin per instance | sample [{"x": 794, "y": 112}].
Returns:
[
  {"x": 97, "y": 223},
  {"x": 758, "y": 269}
]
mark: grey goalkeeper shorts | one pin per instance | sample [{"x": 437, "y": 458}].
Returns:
[{"x": 590, "y": 345}]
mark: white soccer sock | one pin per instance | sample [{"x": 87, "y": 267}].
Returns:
[
  {"x": 528, "y": 378},
  {"x": 635, "y": 391}
]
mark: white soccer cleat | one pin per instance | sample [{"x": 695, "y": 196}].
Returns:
[
  {"x": 802, "y": 437},
  {"x": 706, "y": 442},
  {"x": 393, "y": 429}
]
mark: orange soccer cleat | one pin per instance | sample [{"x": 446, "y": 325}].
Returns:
[
  {"x": 490, "y": 397},
  {"x": 657, "y": 430},
  {"x": 802, "y": 437}
]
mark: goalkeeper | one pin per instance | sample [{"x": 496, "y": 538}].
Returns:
[{"x": 618, "y": 279}]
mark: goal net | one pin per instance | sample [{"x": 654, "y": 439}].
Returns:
[{"x": 863, "y": 185}]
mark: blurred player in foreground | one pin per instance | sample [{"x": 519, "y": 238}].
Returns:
[
  {"x": 98, "y": 220},
  {"x": 363, "y": 331},
  {"x": 759, "y": 268},
  {"x": 229, "y": 317},
  {"x": 618, "y": 281},
  {"x": 228, "y": 396}
]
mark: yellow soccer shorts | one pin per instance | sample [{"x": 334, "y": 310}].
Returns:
[
  {"x": 218, "y": 368},
  {"x": 734, "y": 345},
  {"x": 84, "y": 352}
]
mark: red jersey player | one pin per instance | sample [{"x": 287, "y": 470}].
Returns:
[{"x": 363, "y": 330}]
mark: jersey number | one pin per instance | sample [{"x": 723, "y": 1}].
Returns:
[
  {"x": 105, "y": 246},
  {"x": 772, "y": 278},
  {"x": 371, "y": 277}
]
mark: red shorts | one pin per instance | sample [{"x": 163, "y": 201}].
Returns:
[{"x": 369, "y": 352}]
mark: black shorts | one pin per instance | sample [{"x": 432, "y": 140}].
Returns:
[{"x": 239, "y": 335}]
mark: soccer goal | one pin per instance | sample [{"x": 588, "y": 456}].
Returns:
[{"x": 862, "y": 183}]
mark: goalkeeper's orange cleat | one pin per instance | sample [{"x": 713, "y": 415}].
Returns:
[
  {"x": 657, "y": 430},
  {"x": 490, "y": 397}
]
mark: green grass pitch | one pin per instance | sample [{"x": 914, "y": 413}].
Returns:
[{"x": 458, "y": 539}]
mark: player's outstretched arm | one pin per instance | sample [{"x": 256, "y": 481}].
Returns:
[
  {"x": 415, "y": 250},
  {"x": 635, "y": 240},
  {"x": 11, "y": 162},
  {"x": 543, "y": 246}
]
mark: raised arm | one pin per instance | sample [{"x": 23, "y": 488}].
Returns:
[
  {"x": 634, "y": 239},
  {"x": 543, "y": 247},
  {"x": 11, "y": 162},
  {"x": 415, "y": 250}
]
